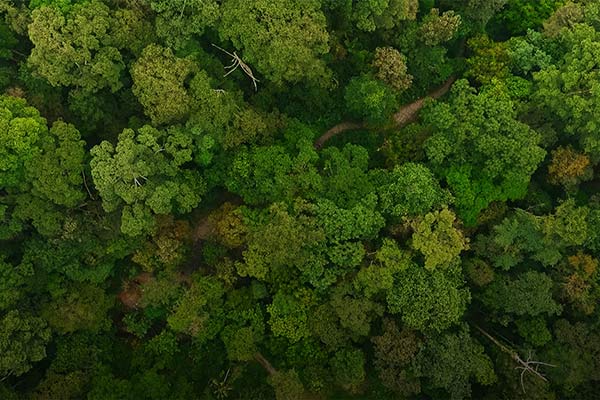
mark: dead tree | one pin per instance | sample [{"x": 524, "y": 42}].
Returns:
[
  {"x": 528, "y": 365},
  {"x": 236, "y": 62}
]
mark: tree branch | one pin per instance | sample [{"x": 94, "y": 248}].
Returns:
[{"x": 526, "y": 366}]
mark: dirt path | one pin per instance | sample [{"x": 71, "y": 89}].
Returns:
[{"x": 402, "y": 117}]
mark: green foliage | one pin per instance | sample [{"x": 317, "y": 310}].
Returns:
[
  {"x": 270, "y": 174},
  {"x": 252, "y": 27},
  {"x": 178, "y": 21},
  {"x": 22, "y": 129},
  {"x": 23, "y": 340},
  {"x": 482, "y": 128},
  {"x": 143, "y": 175},
  {"x": 42, "y": 169},
  {"x": 534, "y": 330},
  {"x": 287, "y": 385},
  {"x": 436, "y": 28},
  {"x": 529, "y": 294},
  {"x": 383, "y": 14},
  {"x": 567, "y": 90},
  {"x": 438, "y": 239},
  {"x": 412, "y": 190},
  {"x": 288, "y": 317},
  {"x": 369, "y": 99},
  {"x": 56, "y": 172},
  {"x": 379, "y": 276},
  {"x": 76, "y": 49},
  {"x": 520, "y": 15},
  {"x": 528, "y": 53},
  {"x": 428, "y": 301},
  {"x": 198, "y": 312},
  {"x": 159, "y": 84},
  {"x": 168, "y": 230},
  {"x": 451, "y": 361},
  {"x": 395, "y": 353},
  {"x": 391, "y": 68},
  {"x": 348, "y": 367},
  {"x": 83, "y": 307},
  {"x": 490, "y": 60}
]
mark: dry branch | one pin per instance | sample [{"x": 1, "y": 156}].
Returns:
[
  {"x": 524, "y": 365},
  {"x": 236, "y": 62}
]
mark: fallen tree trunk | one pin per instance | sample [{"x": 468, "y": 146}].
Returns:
[{"x": 402, "y": 117}]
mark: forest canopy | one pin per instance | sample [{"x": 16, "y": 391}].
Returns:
[{"x": 299, "y": 200}]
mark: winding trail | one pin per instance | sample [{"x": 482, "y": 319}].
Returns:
[{"x": 402, "y": 117}]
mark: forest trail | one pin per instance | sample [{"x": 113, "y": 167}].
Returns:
[{"x": 402, "y": 117}]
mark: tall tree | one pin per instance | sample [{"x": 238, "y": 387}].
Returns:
[
  {"x": 283, "y": 40},
  {"x": 482, "y": 150}
]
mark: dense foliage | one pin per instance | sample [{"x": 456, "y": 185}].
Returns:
[{"x": 293, "y": 200}]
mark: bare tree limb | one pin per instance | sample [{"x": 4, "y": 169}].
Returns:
[
  {"x": 524, "y": 365},
  {"x": 236, "y": 62}
]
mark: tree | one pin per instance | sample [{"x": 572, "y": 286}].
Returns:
[
  {"x": 178, "y": 21},
  {"x": 13, "y": 279},
  {"x": 528, "y": 53},
  {"x": 346, "y": 179},
  {"x": 436, "y": 28},
  {"x": 142, "y": 175},
  {"x": 198, "y": 312},
  {"x": 23, "y": 340},
  {"x": 56, "y": 172},
  {"x": 379, "y": 276},
  {"x": 76, "y": 49},
  {"x": 282, "y": 40},
  {"x": 287, "y": 385},
  {"x": 579, "y": 285},
  {"x": 383, "y": 14},
  {"x": 575, "y": 353},
  {"x": 159, "y": 83},
  {"x": 428, "y": 300},
  {"x": 567, "y": 91},
  {"x": 83, "y": 307},
  {"x": 23, "y": 127},
  {"x": 452, "y": 360},
  {"x": 288, "y": 317},
  {"x": 519, "y": 15},
  {"x": 568, "y": 168},
  {"x": 355, "y": 312},
  {"x": 480, "y": 147},
  {"x": 476, "y": 12},
  {"x": 564, "y": 17},
  {"x": 348, "y": 368},
  {"x": 438, "y": 240},
  {"x": 42, "y": 170},
  {"x": 283, "y": 242},
  {"x": 369, "y": 99},
  {"x": 529, "y": 294},
  {"x": 395, "y": 354},
  {"x": 169, "y": 247},
  {"x": 390, "y": 66},
  {"x": 9, "y": 41},
  {"x": 490, "y": 60}
]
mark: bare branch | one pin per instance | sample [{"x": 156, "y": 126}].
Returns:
[
  {"x": 525, "y": 366},
  {"x": 236, "y": 62}
]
